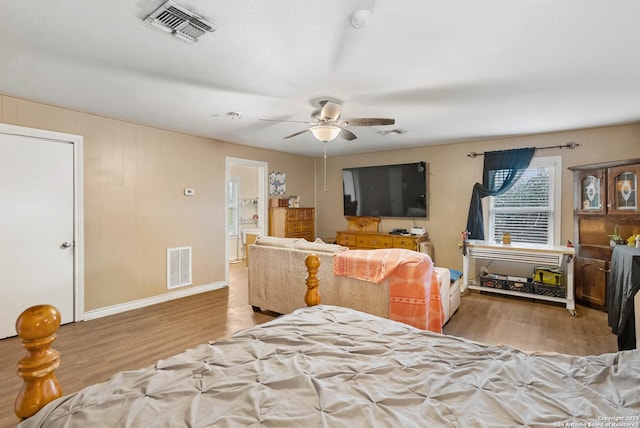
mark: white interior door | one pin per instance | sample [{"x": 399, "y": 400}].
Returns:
[{"x": 36, "y": 227}]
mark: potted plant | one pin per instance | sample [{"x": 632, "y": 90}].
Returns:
[{"x": 615, "y": 238}]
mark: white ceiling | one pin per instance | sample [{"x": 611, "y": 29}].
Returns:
[{"x": 447, "y": 71}]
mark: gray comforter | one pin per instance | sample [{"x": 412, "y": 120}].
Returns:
[{"x": 334, "y": 367}]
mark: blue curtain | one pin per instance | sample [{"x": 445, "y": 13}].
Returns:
[{"x": 509, "y": 164}]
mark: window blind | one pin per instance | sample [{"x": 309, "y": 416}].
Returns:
[{"x": 525, "y": 210}]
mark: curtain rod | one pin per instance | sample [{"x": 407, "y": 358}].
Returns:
[{"x": 570, "y": 145}]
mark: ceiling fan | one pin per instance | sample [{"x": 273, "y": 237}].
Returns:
[{"x": 327, "y": 124}]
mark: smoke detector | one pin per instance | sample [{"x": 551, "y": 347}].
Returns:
[
  {"x": 360, "y": 18},
  {"x": 179, "y": 21}
]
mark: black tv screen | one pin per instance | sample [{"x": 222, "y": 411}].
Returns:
[{"x": 386, "y": 190}]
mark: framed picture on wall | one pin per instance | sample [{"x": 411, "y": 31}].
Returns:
[{"x": 277, "y": 183}]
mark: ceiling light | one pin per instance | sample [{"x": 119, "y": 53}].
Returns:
[{"x": 325, "y": 133}]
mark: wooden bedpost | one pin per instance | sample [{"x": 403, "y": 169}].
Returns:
[
  {"x": 312, "y": 296},
  {"x": 37, "y": 327}
]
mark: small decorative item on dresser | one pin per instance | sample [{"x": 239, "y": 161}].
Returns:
[
  {"x": 294, "y": 202},
  {"x": 506, "y": 238},
  {"x": 615, "y": 238},
  {"x": 631, "y": 240}
]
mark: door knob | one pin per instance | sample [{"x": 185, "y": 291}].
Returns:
[{"x": 66, "y": 244}]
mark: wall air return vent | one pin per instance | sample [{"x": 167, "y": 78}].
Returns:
[
  {"x": 179, "y": 21},
  {"x": 178, "y": 267}
]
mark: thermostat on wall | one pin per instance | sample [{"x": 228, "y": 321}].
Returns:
[{"x": 189, "y": 192}]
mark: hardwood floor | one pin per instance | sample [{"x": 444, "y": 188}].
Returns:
[
  {"x": 92, "y": 351},
  {"x": 531, "y": 325}
]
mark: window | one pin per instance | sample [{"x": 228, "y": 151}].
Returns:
[
  {"x": 529, "y": 211},
  {"x": 232, "y": 220}
]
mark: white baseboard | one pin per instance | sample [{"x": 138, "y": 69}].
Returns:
[{"x": 136, "y": 304}]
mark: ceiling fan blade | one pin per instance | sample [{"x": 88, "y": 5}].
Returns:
[
  {"x": 347, "y": 135},
  {"x": 369, "y": 121},
  {"x": 330, "y": 111},
  {"x": 288, "y": 121},
  {"x": 296, "y": 134}
]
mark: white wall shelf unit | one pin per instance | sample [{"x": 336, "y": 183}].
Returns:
[{"x": 534, "y": 254}]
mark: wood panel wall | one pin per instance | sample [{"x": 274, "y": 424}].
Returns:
[{"x": 135, "y": 207}]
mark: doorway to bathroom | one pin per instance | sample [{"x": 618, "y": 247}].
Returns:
[{"x": 246, "y": 205}]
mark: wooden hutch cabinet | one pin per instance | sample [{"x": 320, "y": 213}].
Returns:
[
  {"x": 622, "y": 189},
  {"x": 292, "y": 223},
  {"x": 605, "y": 200}
]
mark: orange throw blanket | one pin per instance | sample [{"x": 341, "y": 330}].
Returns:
[{"x": 414, "y": 294}]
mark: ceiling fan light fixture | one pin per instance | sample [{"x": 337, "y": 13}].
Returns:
[{"x": 325, "y": 133}]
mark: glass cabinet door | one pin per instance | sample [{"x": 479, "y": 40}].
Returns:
[
  {"x": 592, "y": 192},
  {"x": 623, "y": 189}
]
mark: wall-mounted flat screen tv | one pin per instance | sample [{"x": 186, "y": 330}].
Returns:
[{"x": 386, "y": 190}]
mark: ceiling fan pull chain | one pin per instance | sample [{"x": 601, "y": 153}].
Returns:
[{"x": 325, "y": 167}]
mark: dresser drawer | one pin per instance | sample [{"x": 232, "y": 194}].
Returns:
[
  {"x": 346, "y": 239},
  {"x": 306, "y": 214},
  {"x": 299, "y": 226},
  {"x": 376, "y": 241},
  {"x": 404, "y": 242}
]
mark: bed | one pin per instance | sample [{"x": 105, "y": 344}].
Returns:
[{"x": 332, "y": 366}]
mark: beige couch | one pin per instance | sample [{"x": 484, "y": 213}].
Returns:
[{"x": 277, "y": 276}]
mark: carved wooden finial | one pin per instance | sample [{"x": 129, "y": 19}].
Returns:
[
  {"x": 312, "y": 296},
  {"x": 37, "y": 327},
  {"x": 363, "y": 223}
]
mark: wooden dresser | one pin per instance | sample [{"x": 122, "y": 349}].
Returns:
[
  {"x": 363, "y": 234},
  {"x": 292, "y": 223},
  {"x": 372, "y": 240}
]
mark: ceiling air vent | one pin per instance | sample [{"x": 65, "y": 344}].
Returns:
[
  {"x": 396, "y": 131},
  {"x": 179, "y": 21}
]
